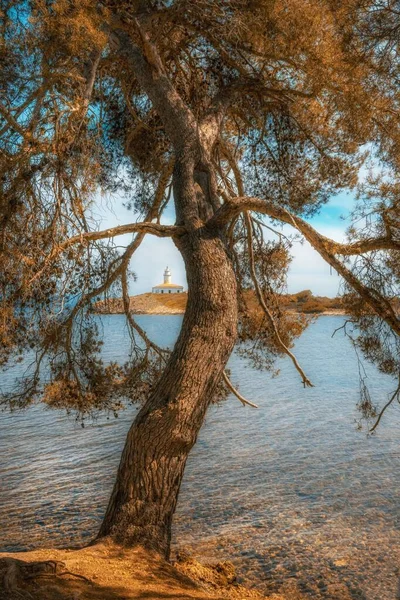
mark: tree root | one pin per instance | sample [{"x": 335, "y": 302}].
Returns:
[{"x": 16, "y": 573}]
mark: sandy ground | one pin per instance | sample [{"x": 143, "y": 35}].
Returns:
[{"x": 107, "y": 572}]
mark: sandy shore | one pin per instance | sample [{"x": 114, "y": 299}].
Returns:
[{"x": 107, "y": 572}]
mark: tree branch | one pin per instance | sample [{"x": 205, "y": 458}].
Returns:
[
  {"x": 234, "y": 206},
  {"x": 395, "y": 395},
  {"x": 144, "y": 227},
  {"x": 260, "y": 297},
  {"x": 90, "y": 236},
  {"x": 240, "y": 186},
  {"x": 147, "y": 66},
  {"x": 326, "y": 247},
  {"x": 236, "y": 393},
  {"x": 13, "y": 123},
  {"x": 133, "y": 324},
  {"x": 153, "y": 212}
]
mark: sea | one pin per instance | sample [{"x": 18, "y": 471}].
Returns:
[{"x": 302, "y": 501}]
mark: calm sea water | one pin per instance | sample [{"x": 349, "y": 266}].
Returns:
[{"x": 292, "y": 493}]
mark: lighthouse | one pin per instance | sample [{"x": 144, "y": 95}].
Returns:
[
  {"x": 167, "y": 276},
  {"x": 167, "y": 287}
]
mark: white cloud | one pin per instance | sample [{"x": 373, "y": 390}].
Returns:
[{"x": 309, "y": 271}]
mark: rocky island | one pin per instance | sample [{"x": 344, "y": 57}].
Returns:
[{"x": 174, "y": 304}]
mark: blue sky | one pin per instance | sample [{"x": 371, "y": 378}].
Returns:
[{"x": 307, "y": 270}]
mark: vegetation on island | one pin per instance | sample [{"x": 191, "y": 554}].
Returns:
[
  {"x": 302, "y": 302},
  {"x": 242, "y": 116}
]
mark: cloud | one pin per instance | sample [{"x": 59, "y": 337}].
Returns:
[{"x": 308, "y": 271}]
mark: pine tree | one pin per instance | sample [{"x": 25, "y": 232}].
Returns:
[{"x": 245, "y": 115}]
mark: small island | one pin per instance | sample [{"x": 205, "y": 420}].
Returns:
[{"x": 170, "y": 299}]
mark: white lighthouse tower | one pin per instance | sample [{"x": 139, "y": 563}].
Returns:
[
  {"x": 167, "y": 276},
  {"x": 167, "y": 287}
]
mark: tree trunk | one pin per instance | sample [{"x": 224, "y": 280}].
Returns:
[{"x": 145, "y": 494}]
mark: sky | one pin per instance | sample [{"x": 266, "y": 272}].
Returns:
[{"x": 307, "y": 270}]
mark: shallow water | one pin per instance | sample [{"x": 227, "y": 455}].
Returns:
[{"x": 291, "y": 492}]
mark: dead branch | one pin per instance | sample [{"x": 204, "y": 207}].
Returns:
[
  {"x": 133, "y": 324},
  {"x": 260, "y": 297},
  {"x": 392, "y": 398},
  {"x": 236, "y": 393}
]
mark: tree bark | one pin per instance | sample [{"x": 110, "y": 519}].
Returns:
[
  {"x": 145, "y": 493},
  {"x": 151, "y": 469}
]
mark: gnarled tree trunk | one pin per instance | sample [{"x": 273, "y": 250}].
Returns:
[
  {"x": 153, "y": 461},
  {"x": 145, "y": 494}
]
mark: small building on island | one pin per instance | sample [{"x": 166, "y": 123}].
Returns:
[{"x": 167, "y": 287}]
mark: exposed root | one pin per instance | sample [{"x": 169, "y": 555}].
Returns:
[
  {"x": 15, "y": 574},
  {"x": 107, "y": 571}
]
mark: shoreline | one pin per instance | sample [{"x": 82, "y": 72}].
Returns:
[
  {"x": 302, "y": 303},
  {"x": 165, "y": 313},
  {"x": 105, "y": 571}
]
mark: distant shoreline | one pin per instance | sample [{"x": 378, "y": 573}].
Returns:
[
  {"x": 328, "y": 313},
  {"x": 302, "y": 303}
]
